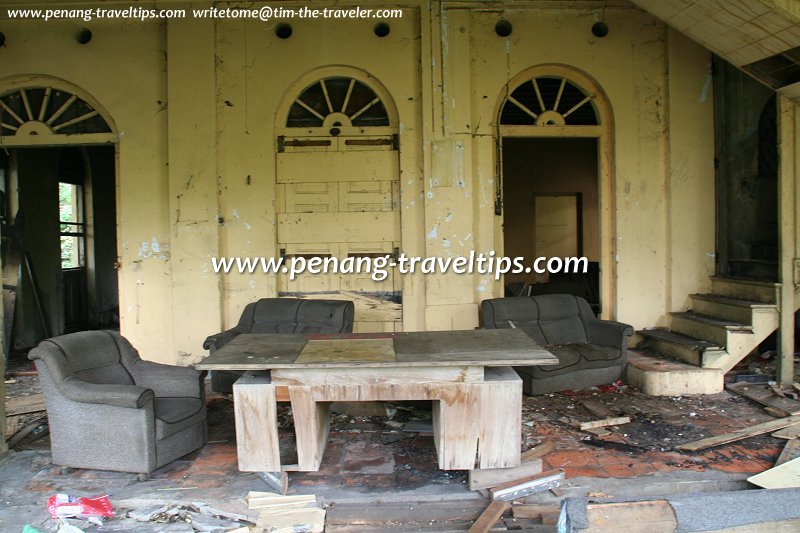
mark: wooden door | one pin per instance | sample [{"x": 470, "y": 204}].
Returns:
[{"x": 339, "y": 197}]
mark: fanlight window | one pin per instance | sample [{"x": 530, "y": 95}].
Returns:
[
  {"x": 43, "y": 110},
  {"x": 549, "y": 101},
  {"x": 337, "y": 101}
]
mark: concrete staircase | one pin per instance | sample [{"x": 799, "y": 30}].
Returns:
[{"x": 702, "y": 344}]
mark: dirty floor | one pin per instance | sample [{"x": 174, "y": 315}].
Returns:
[{"x": 379, "y": 472}]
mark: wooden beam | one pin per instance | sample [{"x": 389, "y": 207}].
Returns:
[
  {"x": 489, "y": 516},
  {"x": 594, "y": 424},
  {"x": 25, "y": 404},
  {"x": 751, "y": 431},
  {"x": 787, "y": 233}
]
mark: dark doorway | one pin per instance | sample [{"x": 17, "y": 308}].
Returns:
[
  {"x": 550, "y": 195},
  {"x": 746, "y": 130},
  {"x": 61, "y": 202}
]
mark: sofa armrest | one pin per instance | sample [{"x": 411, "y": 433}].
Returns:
[
  {"x": 169, "y": 380},
  {"x": 217, "y": 341},
  {"x": 609, "y": 333},
  {"x": 131, "y": 396}
]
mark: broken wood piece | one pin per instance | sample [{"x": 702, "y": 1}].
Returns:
[
  {"x": 538, "y": 451},
  {"x": 550, "y": 518},
  {"x": 599, "y": 432},
  {"x": 654, "y": 515},
  {"x": 597, "y": 408},
  {"x": 789, "y": 432},
  {"x": 25, "y": 404},
  {"x": 521, "y": 488},
  {"x": 774, "y": 411},
  {"x": 310, "y": 520},
  {"x": 764, "y": 395},
  {"x": 614, "y": 421},
  {"x": 533, "y": 510},
  {"x": 262, "y": 500},
  {"x": 784, "y": 476},
  {"x": 489, "y": 516},
  {"x": 791, "y": 450},
  {"x": 484, "y": 478},
  {"x": 751, "y": 431}
]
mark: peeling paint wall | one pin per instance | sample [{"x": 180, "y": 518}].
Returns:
[{"x": 197, "y": 104}]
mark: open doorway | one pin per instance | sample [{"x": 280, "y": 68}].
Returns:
[
  {"x": 550, "y": 192},
  {"x": 61, "y": 220},
  {"x": 746, "y": 128}
]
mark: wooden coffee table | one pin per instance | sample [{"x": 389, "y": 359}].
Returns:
[{"x": 476, "y": 394}]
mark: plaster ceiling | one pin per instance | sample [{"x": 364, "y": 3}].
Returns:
[{"x": 762, "y": 37}]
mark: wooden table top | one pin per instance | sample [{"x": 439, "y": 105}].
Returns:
[{"x": 480, "y": 347}]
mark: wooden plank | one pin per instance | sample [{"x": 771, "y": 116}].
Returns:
[
  {"x": 485, "y": 478},
  {"x": 256, "y": 419},
  {"x": 518, "y": 489},
  {"x": 594, "y": 424},
  {"x": 791, "y": 450},
  {"x": 763, "y": 394},
  {"x": 538, "y": 451},
  {"x": 597, "y": 408},
  {"x": 263, "y": 500},
  {"x": 751, "y": 431},
  {"x": 307, "y": 520},
  {"x": 784, "y": 476},
  {"x": 633, "y": 517},
  {"x": 790, "y": 432},
  {"x": 347, "y": 351},
  {"x": 21, "y": 405},
  {"x": 533, "y": 510},
  {"x": 489, "y": 516}
]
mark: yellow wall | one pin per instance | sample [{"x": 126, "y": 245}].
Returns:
[{"x": 196, "y": 104}]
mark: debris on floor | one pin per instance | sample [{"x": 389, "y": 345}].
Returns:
[{"x": 286, "y": 514}]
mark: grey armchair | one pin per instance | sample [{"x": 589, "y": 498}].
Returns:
[
  {"x": 110, "y": 410},
  {"x": 590, "y": 351},
  {"x": 281, "y": 315}
]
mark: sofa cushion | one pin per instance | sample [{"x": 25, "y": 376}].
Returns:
[
  {"x": 176, "y": 414},
  {"x": 574, "y": 357}
]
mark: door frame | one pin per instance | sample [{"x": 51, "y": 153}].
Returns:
[{"x": 603, "y": 132}]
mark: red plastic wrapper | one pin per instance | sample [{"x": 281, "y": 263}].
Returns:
[{"x": 65, "y": 506}]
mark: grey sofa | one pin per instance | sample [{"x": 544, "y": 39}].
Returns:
[
  {"x": 281, "y": 315},
  {"x": 110, "y": 410},
  {"x": 590, "y": 351}
]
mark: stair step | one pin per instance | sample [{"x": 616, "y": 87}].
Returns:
[
  {"x": 738, "y": 302},
  {"x": 690, "y": 350},
  {"x": 657, "y": 375},
  {"x": 729, "y": 308},
  {"x": 748, "y": 289},
  {"x": 689, "y": 343},
  {"x": 706, "y": 327}
]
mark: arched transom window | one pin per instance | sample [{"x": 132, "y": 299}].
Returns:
[
  {"x": 549, "y": 101},
  {"x": 48, "y": 111},
  {"x": 337, "y": 101}
]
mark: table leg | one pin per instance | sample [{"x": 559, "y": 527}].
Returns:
[
  {"x": 255, "y": 412},
  {"x": 500, "y": 418},
  {"x": 456, "y": 426},
  {"x": 311, "y": 425}
]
